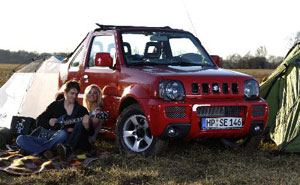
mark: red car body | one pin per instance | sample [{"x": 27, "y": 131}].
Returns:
[{"x": 125, "y": 85}]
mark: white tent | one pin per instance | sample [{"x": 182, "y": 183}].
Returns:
[{"x": 29, "y": 93}]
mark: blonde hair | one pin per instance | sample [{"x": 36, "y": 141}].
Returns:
[{"x": 86, "y": 103}]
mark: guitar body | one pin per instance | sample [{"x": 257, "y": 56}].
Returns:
[{"x": 62, "y": 120}]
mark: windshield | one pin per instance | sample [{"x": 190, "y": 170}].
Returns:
[{"x": 163, "y": 48}]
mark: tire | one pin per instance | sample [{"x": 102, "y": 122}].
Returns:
[
  {"x": 133, "y": 134},
  {"x": 251, "y": 142}
]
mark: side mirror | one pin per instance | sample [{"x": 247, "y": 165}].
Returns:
[
  {"x": 103, "y": 60},
  {"x": 216, "y": 59}
]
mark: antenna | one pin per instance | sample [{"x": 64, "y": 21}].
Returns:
[{"x": 189, "y": 17}]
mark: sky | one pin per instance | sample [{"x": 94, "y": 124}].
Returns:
[{"x": 224, "y": 27}]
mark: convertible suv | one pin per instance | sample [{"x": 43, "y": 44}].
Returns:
[{"x": 160, "y": 83}]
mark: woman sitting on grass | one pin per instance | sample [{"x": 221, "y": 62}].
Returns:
[{"x": 92, "y": 101}]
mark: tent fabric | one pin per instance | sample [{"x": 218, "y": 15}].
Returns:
[
  {"x": 282, "y": 92},
  {"x": 40, "y": 92},
  {"x": 28, "y": 93},
  {"x": 12, "y": 94},
  {"x": 51, "y": 65}
]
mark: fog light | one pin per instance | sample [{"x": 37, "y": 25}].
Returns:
[
  {"x": 257, "y": 129},
  {"x": 171, "y": 132}
]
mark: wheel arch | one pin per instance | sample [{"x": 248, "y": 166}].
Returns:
[{"x": 127, "y": 102}]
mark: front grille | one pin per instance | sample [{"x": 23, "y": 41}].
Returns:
[
  {"x": 218, "y": 111},
  {"x": 175, "y": 112},
  {"x": 258, "y": 110},
  {"x": 215, "y": 88}
]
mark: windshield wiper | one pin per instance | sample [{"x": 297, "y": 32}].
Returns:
[
  {"x": 145, "y": 64},
  {"x": 183, "y": 63}
]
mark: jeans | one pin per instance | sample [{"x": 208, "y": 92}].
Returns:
[
  {"x": 78, "y": 139},
  {"x": 93, "y": 138},
  {"x": 34, "y": 145}
]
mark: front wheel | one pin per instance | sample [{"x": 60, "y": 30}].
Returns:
[{"x": 133, "y": 133}]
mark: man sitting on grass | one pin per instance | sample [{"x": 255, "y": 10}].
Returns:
[{"x": 65, "y": 140}]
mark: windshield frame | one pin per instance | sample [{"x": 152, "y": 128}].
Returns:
[{"x": 189, "y": 35}]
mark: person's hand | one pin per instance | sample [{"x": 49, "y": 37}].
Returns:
[
  {"x": 98, "y": 111},
  {"x": 70, "y": 129},
  {"x": 85, "y": 122},
  {"x": 52, "y": 122}
]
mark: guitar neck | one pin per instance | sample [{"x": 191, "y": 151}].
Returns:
[
  {"x": 101, "y": 115},
  {"x": 72, "y": 121}
]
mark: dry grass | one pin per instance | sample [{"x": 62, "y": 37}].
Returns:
[
  {"x": 196, "y": 162},
  {"x": 258, "y": 74},
  {"x": 6, "y": 70}
]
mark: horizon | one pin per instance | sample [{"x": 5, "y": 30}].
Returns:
[{"x": 226, "y": 28}]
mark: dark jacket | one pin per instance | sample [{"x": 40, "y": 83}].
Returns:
[{"x": 57, "y": 109}]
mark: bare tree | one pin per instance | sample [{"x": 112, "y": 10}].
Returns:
[
  {"x": 261, "y": 51},
  {"x": 294, "y": 39}
]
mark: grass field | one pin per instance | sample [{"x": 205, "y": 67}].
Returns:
[
  {"x": 194, "y": 162},
  {"x": 258, "y": 74},
  {"x": 6, "y": 70}
]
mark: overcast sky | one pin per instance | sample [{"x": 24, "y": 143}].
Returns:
[{"x": 223, "y": 26}]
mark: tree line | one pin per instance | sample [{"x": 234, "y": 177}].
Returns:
[
  {"x": 20, "y": 57},
  {"x": 257, "y": 61},
  {"x": 234, "y": 61}
]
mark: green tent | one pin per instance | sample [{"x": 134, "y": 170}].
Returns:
[{"x": 282, "y": 91}]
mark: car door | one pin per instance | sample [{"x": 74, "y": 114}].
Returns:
[{"x": 107, "y": 78}]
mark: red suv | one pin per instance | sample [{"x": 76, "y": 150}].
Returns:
[{"x": 160, "y": 83}]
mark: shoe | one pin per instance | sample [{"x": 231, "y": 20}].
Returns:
[
  {"x": 61, "y": 151},
  {"x": 48, "y": 154},
  {"x": 13, "y": 147}
]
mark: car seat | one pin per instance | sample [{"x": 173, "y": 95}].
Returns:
[{"x": 152, "y": 53}]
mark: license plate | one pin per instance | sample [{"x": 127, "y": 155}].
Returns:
[{"x": 222, "y": 123}]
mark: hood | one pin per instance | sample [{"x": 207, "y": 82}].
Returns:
[
  {"x": 171, "y": 71},
  {"x": 199, "y": 82}
]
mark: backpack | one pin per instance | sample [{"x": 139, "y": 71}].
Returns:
[{"x": 22, "y": 125}]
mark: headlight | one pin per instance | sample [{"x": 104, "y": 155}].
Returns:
[
  {"x": 171, "y": 90},
  {"x": 251, "y": 89}
]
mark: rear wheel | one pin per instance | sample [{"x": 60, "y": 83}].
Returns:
[{"x": 133, "y": 133}]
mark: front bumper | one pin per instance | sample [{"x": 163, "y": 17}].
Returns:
[{"x": 185, "y": 120}]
